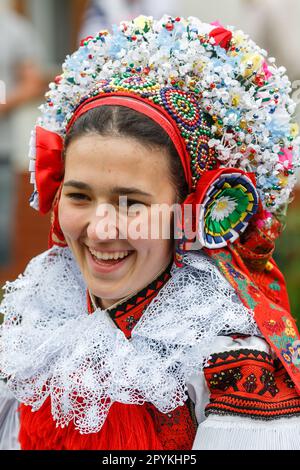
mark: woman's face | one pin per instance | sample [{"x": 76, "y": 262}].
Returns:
[{"x": 106, "y": 240}]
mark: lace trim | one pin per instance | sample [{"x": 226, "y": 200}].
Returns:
[{"x": 50, "y": 346}]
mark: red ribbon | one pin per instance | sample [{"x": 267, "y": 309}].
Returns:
[
  {"x": 222, "y": 37},
  {"x": 49, "y": 167}
]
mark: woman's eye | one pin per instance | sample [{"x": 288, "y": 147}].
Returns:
[
  {"x": 130, "y": 202},
  {"x": 78, "y": 196}
]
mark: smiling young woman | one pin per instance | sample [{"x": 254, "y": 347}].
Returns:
[{"x": 116, "y": 339}]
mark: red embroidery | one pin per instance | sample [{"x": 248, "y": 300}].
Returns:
[
  {"x": 248, "y": 382},
  {"x": 176, "y": 430}
]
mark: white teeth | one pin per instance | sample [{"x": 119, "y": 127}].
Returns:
[{"x": 108, "y": 256}]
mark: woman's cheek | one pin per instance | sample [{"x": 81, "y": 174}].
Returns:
[{"x": 70, "y": 219}]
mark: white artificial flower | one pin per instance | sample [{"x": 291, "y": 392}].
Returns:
[{"x": 222, "y": 208}]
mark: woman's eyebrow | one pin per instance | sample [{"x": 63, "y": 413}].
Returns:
[
  {"x": 115, "y": 190},
  {"x": 129, "y": 190},
  {"x": 78, "y": 185}
]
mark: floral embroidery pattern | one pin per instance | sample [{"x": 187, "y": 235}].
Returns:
[
  {"x": 250, "y": 383},
  {"x": 234, "y": 272},
  {"x": 290, "y": 331},
  {"x": 225, "y": 262},
  {"x": 287, "y": 356},
  {"x": 275, "y": 286},
  {"x": 274, "y": 326},
  {"x": 288, "y": 381},
  {"x": 284, "y": 338},
  {"x": 226, "y": 379},
  {"x": 131, "y": 322},
  {"x": 268, "y": 380}
]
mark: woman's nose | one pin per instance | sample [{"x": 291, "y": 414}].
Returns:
[{"x": 103, "y": 223}]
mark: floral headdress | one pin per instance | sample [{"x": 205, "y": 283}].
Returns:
[{"x": 230, "y": 102}]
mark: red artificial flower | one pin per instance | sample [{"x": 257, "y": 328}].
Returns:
[{"x": 222, "y": 37}]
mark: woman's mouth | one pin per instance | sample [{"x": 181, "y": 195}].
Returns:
[{"x": 102, "y": 261}]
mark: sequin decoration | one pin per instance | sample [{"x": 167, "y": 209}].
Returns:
[{"x": 229, "y": 203}]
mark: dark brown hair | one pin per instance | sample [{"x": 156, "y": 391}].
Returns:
[{"x": 125, "y": 122}]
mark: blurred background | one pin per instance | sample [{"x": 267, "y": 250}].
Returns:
[{"x": 35, "y": 37}]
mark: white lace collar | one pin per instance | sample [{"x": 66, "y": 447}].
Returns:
[{"x": 50, "y": 346}]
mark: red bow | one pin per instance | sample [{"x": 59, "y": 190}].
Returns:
[
  {"x": 49, "y": 167},
  {"x": 222, "y": 37}
]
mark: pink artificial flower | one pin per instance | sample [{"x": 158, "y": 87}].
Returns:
[
  {"x": 266, "y": 70},
  {"x": 286, "y": 158},
  {"x": 217, "y": 24},
  {"x": 261, "y": 222}
]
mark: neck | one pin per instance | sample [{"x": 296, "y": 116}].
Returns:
[{"x": 108, "y": 304}]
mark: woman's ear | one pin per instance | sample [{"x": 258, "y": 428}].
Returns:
[{"x": 56, "y": 236}]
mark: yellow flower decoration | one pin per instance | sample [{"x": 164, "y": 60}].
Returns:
[
  {"x": 142, "y": 22},
  {"x": 235, "y": 100},
  {"x": 238, "y": 38},
  {"x": 283, "y": 180},
  {"x": 104, "y": 32},
  {"x": 290, "y": 332},
  {"x": 251, "y": 63},
  {"x": 294, "y": 129},
  {"x": 198, "y": 67},
  {"x": 269, "y": 267},
  {"x": 286, "y": 357},
  {"x": 288, "y": 323}
]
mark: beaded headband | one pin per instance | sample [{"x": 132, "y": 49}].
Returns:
[{"x": 230, "y": 104}]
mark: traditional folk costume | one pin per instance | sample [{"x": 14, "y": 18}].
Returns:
[{"x": 207, "y": 356}]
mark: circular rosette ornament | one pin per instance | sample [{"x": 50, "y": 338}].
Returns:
[{"x": 226, "y": 200}]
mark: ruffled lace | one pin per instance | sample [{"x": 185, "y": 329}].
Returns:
[{"x": 50, "y": 346}]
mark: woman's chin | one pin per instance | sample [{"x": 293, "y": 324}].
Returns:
[
  {"x": 109, "y": 297},
  {"x": 106, "y": 289}
]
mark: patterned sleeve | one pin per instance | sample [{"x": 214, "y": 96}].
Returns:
[
  {"x": 9, "y": 420},
  {"x": 245, "y": 399}
]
